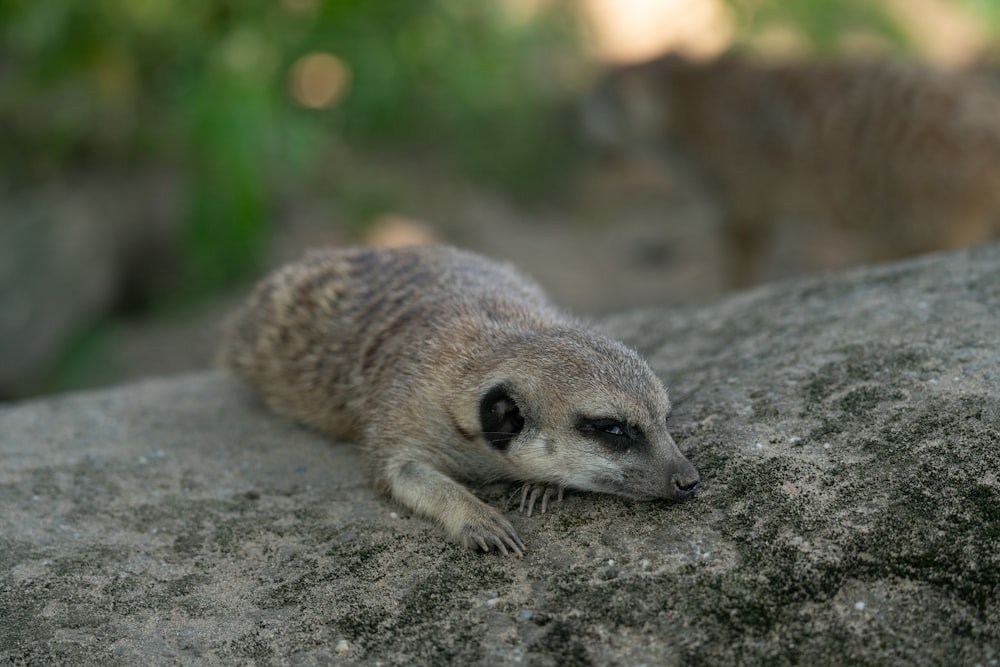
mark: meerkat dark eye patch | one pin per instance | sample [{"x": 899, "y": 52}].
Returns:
[{"x": 499, "y": 417}]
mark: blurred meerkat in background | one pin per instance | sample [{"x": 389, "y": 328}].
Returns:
[{"x": 903, "y": 156}]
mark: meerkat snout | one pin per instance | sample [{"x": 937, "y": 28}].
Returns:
[
  {"x": 665, "y": 474},
  {"x": 446, "y": 368},
  {"x": 685, "y": 481}
]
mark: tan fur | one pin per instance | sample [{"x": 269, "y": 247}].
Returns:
[
  {"x": 905, "y": 155},
  {"x": 407, "y": 351}
]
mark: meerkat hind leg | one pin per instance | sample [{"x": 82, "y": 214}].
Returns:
[{"x": 466, "y": 519}]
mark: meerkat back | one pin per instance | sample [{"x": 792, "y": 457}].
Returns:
[{"x": 313, "y": 333}]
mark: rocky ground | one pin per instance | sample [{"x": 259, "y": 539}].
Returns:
[{"x": 847, "y": 429}]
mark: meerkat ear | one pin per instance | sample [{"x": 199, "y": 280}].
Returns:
[{"x": 500, "y": 417}]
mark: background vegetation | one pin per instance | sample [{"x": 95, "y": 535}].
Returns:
[
  {"x": 203, "y": 86},
  {"x": 821, "y": 24},
  {"x": 203, "y": 91}
]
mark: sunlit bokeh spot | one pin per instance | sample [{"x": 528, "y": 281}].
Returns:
[
  {"x": 319, "y": 80},
  {"x": 632, "y": 30},
  {"x": 392, "y": 230},
  {"x": 945, "y": 32}
]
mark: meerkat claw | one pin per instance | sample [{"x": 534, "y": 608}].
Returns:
[
  {"x": 549, "y": 492},
  {"x": 493, "y": 534},
  {"x": 517, "y": 545},
  {"x": 505, "y": 544},
  {"x": 510, "y": 540},
  {"x": 500, "y": 545},
  {"x": 539, "y": 491},
  {"x": 514, "y": 544},
  {"x": 528, "y": 501}
]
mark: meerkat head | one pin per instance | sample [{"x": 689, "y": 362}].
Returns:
[
  {"x": 585, "y": 412},
  {"x": 630, "y": 107}
]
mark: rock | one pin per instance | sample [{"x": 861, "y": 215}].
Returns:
[
  {"x": 69, "y": 254},
  {"x": 847, "y": 429},
  {"x": 57, "y": 275}
]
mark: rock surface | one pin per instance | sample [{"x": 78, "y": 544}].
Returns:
[{"x": 847, "y": 429}]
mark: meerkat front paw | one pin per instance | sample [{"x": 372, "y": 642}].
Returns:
[
  {"x": 465, "y": 518},
  {"x": 531, "y": 492},
  {"x": 491, "y": 530}
]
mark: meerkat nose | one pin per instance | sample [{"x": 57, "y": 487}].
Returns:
[
  {"x": 687, "y": 489},
  {"x": 686, "y": 485}
]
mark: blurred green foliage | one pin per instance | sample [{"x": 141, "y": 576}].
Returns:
[
  {"x": 203, "y": 87},
  {"x": 988, "y": 12},
  {"x": 822, "y": 23}
]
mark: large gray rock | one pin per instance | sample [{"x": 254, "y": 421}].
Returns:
[{"x": 848, "y": 433}]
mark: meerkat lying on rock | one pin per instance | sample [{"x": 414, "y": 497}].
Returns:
[{"x": 446, "y": 366}]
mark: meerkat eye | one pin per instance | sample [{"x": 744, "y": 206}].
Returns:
[
  {"x": 614, "y": 428},
  {"x": 612, "y": 432}
]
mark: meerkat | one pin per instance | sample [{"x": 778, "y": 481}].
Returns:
[
  {"x": 448, "y": 368},
  {"x": 905, "y": 156}
]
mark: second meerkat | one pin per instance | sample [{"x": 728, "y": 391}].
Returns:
[{"x": 447, "y": 367}]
